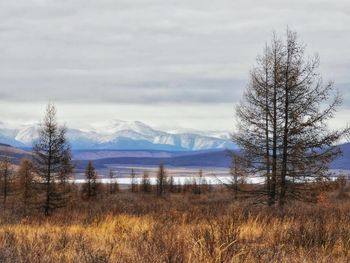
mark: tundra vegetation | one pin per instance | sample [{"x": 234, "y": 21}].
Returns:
[{"x": 296, "y": 215}]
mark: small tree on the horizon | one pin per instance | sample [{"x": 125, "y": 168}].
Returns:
[
  {"x": 172, "y": 186},
  {"x": 26, "y": 183},
  {"x": 146, "y": 186},
  {"x": 5, "y": 177},
  {"x": 237, "y": 176},
  {"x": 65, "y": 174},
  {"x": 49, "y": 158},
  {"x": 90, "y": 186},
  {"x": 133, "y": 183},
  {"x": 200, "y": 183},
  {"x": 113, "y": 183},
  {"x": 161, "y": 180}
]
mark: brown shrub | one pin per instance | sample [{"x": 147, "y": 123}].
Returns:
[{"x": 211, "y": 227}]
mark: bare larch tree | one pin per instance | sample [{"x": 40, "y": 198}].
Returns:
[
  {"x": 282, "y": 122},
  {"x": 26, "y": 183},
  {"x": 6, "y": 172},
  {"x": 146, "y": 186},
  {"x": 161, "y": 180},
  {"x": 133, "y": 185},
  {"x": 50, "y": 160},
  {"x": 113, "y": 183},
  {"x": 90, "y": 186}
]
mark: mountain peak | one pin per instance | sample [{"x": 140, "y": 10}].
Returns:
[
  {"x": 119, "y": 134},
  {"x": 116, "y": 126}
]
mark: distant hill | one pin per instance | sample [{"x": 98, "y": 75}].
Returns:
[
  {"x": 206, "y": 158},
  {"x": 343, "y": 162},
  {"x": 200, "y": 159},
  {"x": 212, "y": 158},
  {"x": 14, "y": 153}
]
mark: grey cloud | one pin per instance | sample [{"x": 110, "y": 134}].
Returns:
[
  {"x": 156, "y": 51},
  {"x": 103, "y": 88}
]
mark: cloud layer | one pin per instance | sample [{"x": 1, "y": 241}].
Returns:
[{"x": 146, "y": 52}]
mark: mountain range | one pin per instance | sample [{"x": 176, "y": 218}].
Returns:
[
  {"x": 123, "y": 135},
  {"x": 210, "y": 158}
]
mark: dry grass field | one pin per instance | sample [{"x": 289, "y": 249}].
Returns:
[{"x": 210, "y": 227}]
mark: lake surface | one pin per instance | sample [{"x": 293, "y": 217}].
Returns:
[{"x": 212, "y": 176}]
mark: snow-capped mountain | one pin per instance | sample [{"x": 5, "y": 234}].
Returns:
[
  {"x": 27, "y": 134},
  {"x": 123, "y": 135}
]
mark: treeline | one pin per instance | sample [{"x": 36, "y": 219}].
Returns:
[
  {"x": 164, "y": 184},
  {"x": 23, "y": 188},
  {"x": 45, "y": 180}
]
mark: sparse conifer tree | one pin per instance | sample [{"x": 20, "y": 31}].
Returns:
[
  {"x": 161, "y": 180},
  {"x": 90, "y": 186},
  {"x": 133, "y": 185},
  {"x": 282, "y": 122},
  {"x": 49, "y": 158},
  {"x": 201, "y": 182},
  {"x": 113, "y": 183},
  {"x": 26, "y": 183},
  {"x": 238, "y": 175},
  {"x": 146, "y": 183},
  {"x": 65, "y": 173},
  {"x": 194, "y": 186},
  {"x": 172, "y": 186},
  {"x": 5, "y": 178}
]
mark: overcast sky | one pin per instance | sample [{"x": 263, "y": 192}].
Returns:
[{"x": 182, "y": 63}]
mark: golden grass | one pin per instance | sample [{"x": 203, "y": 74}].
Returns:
[{"x": 179, "y": 228}]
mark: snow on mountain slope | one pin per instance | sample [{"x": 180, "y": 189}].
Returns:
[
  {"x": 119, "y": 134},
  {"x": 27, "y": 134},
  {"x": 118, "y": 127},
  {"x": 225, "y": 135}
]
